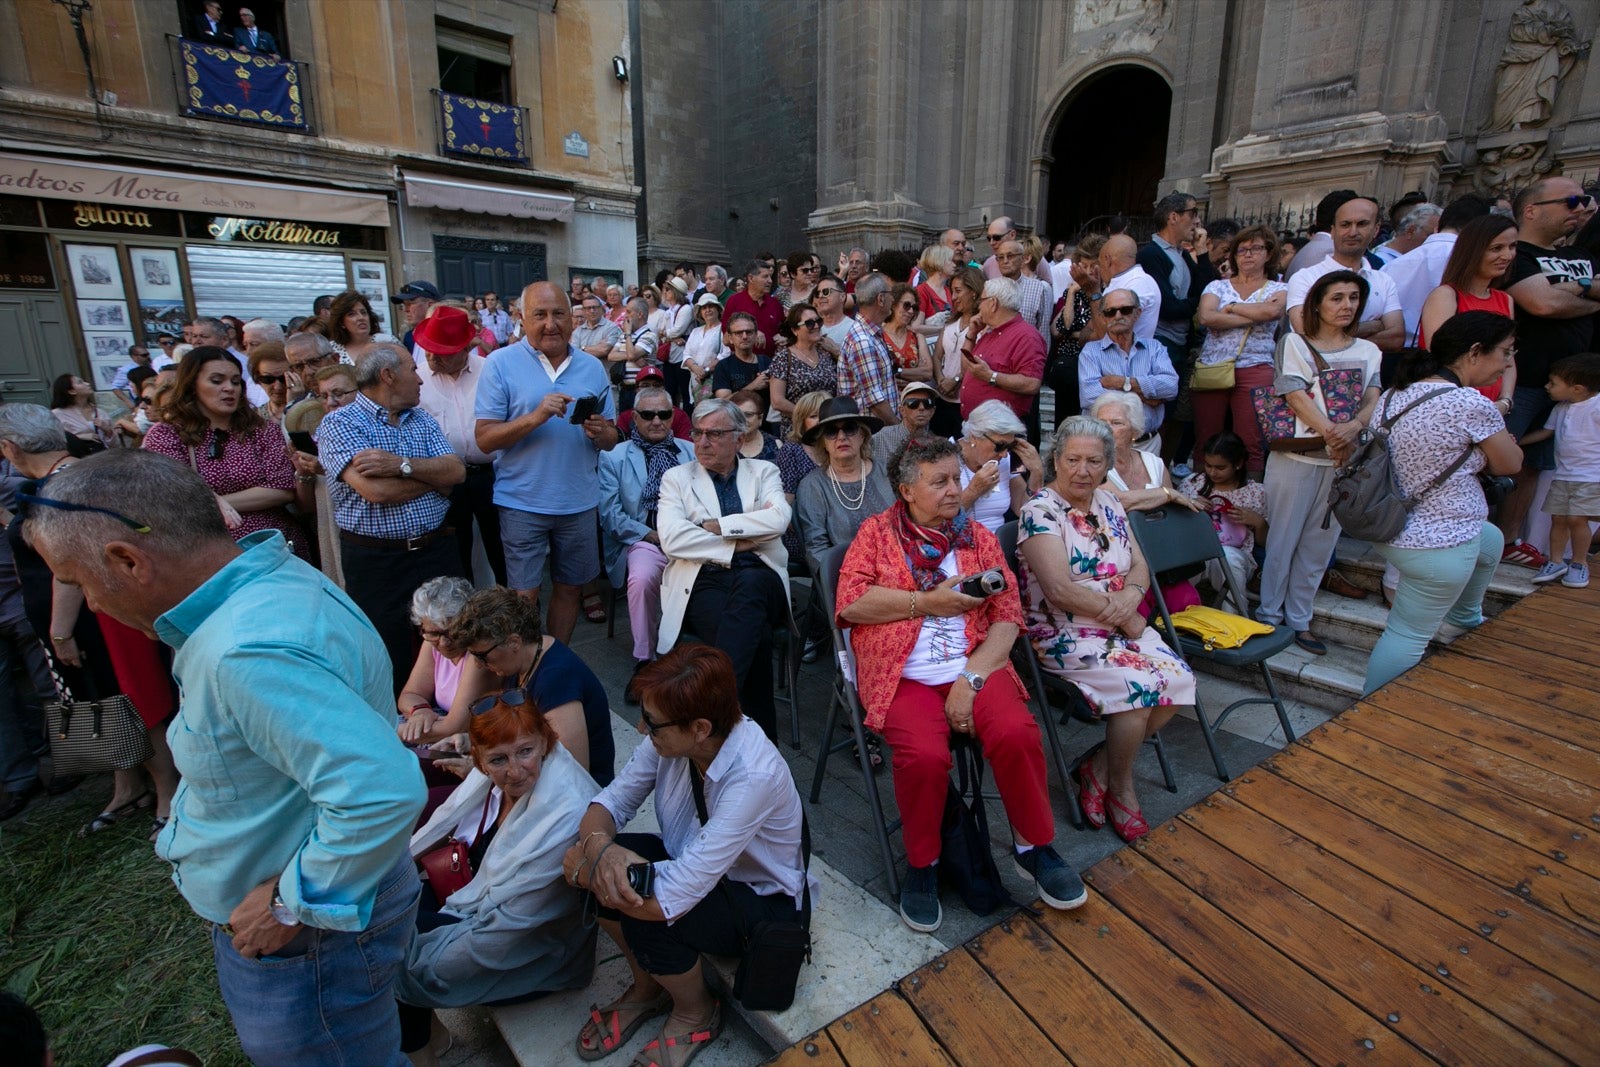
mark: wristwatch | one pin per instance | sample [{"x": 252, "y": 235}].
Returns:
[
  {"x": 405, "y": 467},
  {"x": 994, "y": 377},
  {"x": 281, "y": 912},
  {"x": 974, "y": 680}
]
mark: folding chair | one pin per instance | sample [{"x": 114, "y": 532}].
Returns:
[
  {"x": 1044, "y": 683},
  {"x": 1173, "y": 537}
]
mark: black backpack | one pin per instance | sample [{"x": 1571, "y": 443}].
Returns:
[
  {"x": 966, "y": 862},
  {"x": 1364, "y": 496}
]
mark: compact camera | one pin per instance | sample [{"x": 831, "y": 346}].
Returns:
[
  {"x": 983, "y": 584},
  {"x": 642, "y": 878}
]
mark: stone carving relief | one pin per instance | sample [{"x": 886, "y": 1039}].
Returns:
[
  {"x": 1542, "y": 48},
  {"x": 1124, "y": 25},
  {"x": 1513, "y": 166}
]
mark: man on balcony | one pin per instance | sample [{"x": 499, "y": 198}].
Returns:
[
  {"x": 208, "y": 26},
  {"x": 248, "y": 37}
]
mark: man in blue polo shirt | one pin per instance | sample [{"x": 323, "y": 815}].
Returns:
[{"x": 546, "y": 479}]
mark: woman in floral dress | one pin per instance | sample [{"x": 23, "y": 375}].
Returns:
[{"x": 1082, "y": 582}]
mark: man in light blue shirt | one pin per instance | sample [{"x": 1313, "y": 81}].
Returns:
[
  {"x": 546, "y": 477},
  {"x": 290, "y": 828},
  {"x": 1123, "y": 360}
]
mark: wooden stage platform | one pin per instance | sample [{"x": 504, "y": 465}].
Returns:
[{"x": 1416, "y": 881}]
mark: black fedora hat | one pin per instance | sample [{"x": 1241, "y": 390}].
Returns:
[{"x": 840, "y": 409}]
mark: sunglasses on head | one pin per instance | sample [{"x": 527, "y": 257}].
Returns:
[
  {"x": 641, "y": 413},
  {"x": 510, "y": 697},
  {"x": 1573, "y": 202},
  {"x": 1121, "y": 309},
  {"x": 918, "y": 403},
  {"x": 28, "y": 495}
]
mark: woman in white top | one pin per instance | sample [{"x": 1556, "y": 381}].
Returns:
[
  {"x": 705, "y": 347},
  {"x": 676, "y": 320},
  {"x": 1138, "y": 479},
  {"x": 966, "y": 288},
  {"x": 1302, "y": 536},
  {"x": 999, "y": 468},
  {"x": 1240, "y": 314},
  {"x": 1448, "y": 550}
]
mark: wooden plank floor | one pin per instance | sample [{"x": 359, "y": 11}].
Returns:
[{"x": 1415, "y": 882}]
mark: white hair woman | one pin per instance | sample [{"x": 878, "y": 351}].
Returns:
[
  {"x": 1139, "y": 480},
  {"x": 437, "y": 672},
  {"x": 999, "y": 468},
  {"x": 1083, "y": 580}
]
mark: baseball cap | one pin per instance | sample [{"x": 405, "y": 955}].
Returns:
[
  {"x": 914, "y": 387},
  {"x": 413, "y": 290}
]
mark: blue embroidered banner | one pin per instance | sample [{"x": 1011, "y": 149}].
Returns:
[
  {"x": 479, "y": 128},
  {"x": 241, "y": 86}
]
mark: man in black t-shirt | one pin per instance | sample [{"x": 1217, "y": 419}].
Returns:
[
  {"x": 744, "y": 369},
  {"x": 1555, "y": 310}
]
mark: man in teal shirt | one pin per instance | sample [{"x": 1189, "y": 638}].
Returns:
[{"x": 289, "y": 830}]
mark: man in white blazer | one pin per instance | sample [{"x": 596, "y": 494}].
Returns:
[
  {"x": 630, "y": 492},
  {"x": 721, "y": 521}
]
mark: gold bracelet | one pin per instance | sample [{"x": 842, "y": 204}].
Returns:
[{"x": 913, "y": 604}]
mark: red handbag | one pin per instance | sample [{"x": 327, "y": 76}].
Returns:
[{"x": 448, "y": 867}]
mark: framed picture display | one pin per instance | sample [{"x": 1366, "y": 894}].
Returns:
[
  {"x": 372, "y": 281},
  {"x": 157, "y": 317},
  {"x": 107, "y": 351},
  {"x": 103, "y": 314},
  {"x": 96, "y": 274},
  {"x": 156, "y": 277}
]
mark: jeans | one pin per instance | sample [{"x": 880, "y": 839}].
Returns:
[
  {"x": 328, "y": 999},
  {"x": 1436, "y": 585}
]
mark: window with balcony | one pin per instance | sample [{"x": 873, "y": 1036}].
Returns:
[
  {"x": 477, "y": 116},
  {"x": 474, "y": 65}
]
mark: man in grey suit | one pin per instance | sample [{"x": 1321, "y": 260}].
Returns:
[{"x": 630, "y": 485}]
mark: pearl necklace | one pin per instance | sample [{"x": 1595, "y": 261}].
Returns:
[{"x": 838, "y": 490}]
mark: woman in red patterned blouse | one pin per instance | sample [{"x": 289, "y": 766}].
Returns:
[
  {"x": 932, "y": 661},
  {"x": 208, "y": 424}
]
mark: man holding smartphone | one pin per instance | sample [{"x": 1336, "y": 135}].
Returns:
[{"x": 547, "y": 484}]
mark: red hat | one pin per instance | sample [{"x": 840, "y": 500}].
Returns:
[
  {"x": 651, "y": 374},
  {"x": 445, "y": 332}
]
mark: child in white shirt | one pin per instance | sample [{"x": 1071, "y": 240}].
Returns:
[{"x": 1573, "y": 501}]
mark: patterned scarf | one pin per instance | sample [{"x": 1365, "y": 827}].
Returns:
[
  {"x": 926, "y": 546},
  {"x": 659, "y": 458}
]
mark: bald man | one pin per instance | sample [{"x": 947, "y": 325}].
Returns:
[
  {"x": 1118, "y": 267},
  {"x": 1000, "y": 231}
]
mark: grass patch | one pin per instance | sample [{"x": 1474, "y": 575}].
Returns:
[{"x": 94, "y": 935}]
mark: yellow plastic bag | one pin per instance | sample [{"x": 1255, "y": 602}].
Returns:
[{"x": 1217, "y": 629}]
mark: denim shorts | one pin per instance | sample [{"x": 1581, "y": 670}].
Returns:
[{"x": 571, "y": 541}]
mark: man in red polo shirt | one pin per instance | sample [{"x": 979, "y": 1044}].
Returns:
[
  {"x": 1007, "y": 362},
  {"x": 758, "y": 302}
]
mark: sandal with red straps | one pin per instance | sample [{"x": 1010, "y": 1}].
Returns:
[
  {"x": 1091, "y": 794},
  {"x": 694, "y": 1042},
  {"x": 1131, "y": 826},
  {"x": 608, "y": 1036}
]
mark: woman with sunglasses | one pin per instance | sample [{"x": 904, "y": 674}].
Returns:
[
  {"x": 96, "y": 656},
  {"x": 136, "y": 423},
  {"x": 911, "y": 359},
  {"x": 804, "y": 270},
  {"x": 269, "y": 368},
  {"x": 730, "y": 854},
  {"x": 966, "y": 289},
  {"x": 1083, "y": 580},
  {"x": 516, "y": 930},
  {"x": 848, "y": 488},
  {"x": 210, "y": 426},
  {"x": 999, "y": 468},
  {"x": 803, "y": 367},
  {"x": 507, "y": 648}
]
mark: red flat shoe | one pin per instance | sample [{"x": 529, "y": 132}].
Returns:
[
  {"x": 1091, "y": 794},
  {"x": 1131, "y": 826}
]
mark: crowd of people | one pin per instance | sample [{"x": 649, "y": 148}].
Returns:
[{"x": 430, "y": 513}]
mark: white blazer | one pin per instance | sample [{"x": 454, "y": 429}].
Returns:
[{"x": 687, "y": 499}]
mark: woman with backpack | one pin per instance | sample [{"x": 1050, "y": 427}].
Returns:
[{"x": 1447, "y": 551}]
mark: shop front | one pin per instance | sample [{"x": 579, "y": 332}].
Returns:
[{"x": 96, "y": 257}]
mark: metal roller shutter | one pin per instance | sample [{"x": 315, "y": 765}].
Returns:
[{"x": 262, "y": 283}]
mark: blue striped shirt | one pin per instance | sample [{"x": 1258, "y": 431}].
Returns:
[{"x": 362, "y": 424}]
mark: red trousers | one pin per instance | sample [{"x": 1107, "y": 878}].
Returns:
[
  {"x": 919, "y": 735},
  {"x": 1213, "y": 406}
]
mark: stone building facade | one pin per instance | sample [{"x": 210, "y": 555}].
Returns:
[
  {"x": 127, "y": 212},
  {"x": 937, "y": 113}
]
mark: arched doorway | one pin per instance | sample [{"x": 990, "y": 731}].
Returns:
[{"x": 1109, "y": 150}]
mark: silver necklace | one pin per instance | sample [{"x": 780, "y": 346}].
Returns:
[{"x": 838, "y": 490}]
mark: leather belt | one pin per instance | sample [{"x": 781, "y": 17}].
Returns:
[{"x": 398, "y": 544}]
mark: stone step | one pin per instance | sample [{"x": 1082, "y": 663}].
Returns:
[
  {"x": 1361, "y": 563},
  {"x": 1331, "y": 683},
  {"x": 859, "y": 947}
]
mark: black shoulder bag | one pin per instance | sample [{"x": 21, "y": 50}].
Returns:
[{"x": 774, "y": 949}]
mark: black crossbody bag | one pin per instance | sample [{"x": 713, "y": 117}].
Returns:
[{"x": 774, "y": 949}]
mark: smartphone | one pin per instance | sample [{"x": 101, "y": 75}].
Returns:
[
  {"x": 303, "y": 442},
  {"x": 583, "y": 407}
]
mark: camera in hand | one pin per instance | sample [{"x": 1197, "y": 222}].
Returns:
[
  {"x": 642, "y": 878},
  {"x": 983, "y": 584}
]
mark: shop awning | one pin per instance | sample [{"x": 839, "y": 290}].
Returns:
[
  {"x": 100, "y": 183},
  {"x": 487, "y": 198}
]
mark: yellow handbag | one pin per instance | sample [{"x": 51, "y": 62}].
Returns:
[{"x": 1217, "y": 629}]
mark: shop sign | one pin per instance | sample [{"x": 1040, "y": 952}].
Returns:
[
  {"x": 109, "y": 218},
  {"x": 240, "y": 229}
]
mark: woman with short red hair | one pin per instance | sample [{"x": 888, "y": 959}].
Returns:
[
  {"x": 516, "y": 929},
  {"x": 728, "y": 856}
]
